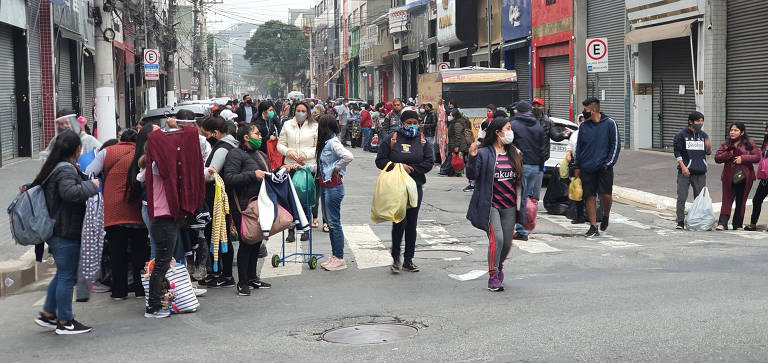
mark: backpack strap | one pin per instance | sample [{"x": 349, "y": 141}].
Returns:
[{"x": 61, "y": 164}]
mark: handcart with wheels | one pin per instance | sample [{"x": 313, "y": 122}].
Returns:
[{"x": 309, "y": 258}]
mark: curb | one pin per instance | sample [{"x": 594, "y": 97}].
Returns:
[
  {"x": 658, "y": 202},
  {"x": 17, "y": 274}
]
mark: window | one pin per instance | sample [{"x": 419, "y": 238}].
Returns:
[
  {"x": 551, "y": 2},
  {"x": 397, "y": 3}
]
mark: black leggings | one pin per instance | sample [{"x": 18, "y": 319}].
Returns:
[
  {"x": 408, "y": 227},
  {"x": 247, "y": 258},
  {"x": 757, "y": 202},
  {"x": 225, "y": 259},
  {"x": 739, "y": 193}
]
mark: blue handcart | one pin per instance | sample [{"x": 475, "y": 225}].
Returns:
[{"x": 309, "y": 258}]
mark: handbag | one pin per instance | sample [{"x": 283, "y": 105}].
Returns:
[
  {"x": 250, "y": 229},
  {"x": 469, "y": 137},
  {"x": 457, "y": 163},
  {"x": 738, "y": 176}
]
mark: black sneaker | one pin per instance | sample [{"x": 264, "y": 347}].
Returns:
[
  {"x": 207, "y": 281},
  {"x": 221, "y": 282},
  {"x": 46, "y": 322},
  {"x": 680, "y": 225},
  {"x": 469, "y": 188},
  {"x": 604, "y": 223},
  {"x": 82, "y": 300},
  {"x": 593, "y": 232},
  {"x": 395, "y": 268},
  {"x": 750, "y": 228},
  {"x": 291, "y": 236},
  {"x": 520, "y": 237},
  {"x": 305, "y": 237},
  {"x": 410, "y": 267},
  {"x": 258, "y": 284},
  {"x": 72, "y": 327},
  {"x": 243, "y": 290}
]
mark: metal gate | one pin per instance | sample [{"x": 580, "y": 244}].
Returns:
[
  {"x": 673, "y": 79},
  {"x": 523, "y": 72},
  {"x": 747, "y": 69},
  {"x": 63, "y": 74},
  {"x": 8, "y": 134},
  {"x": 89, "y": 75},
  {"x": 612, "y": 82},
  {"x": 35, "y": 77},
  {"x": 557, "y": 84}
]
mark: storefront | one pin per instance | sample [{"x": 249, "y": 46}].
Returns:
[
  {"x": 747, "y": 69},
  {"x": 552, "y": 56},
  {"x": 457, "y": 29},
  {"x": 15, "y": 137},
  {"x": 516, "y": 31}
]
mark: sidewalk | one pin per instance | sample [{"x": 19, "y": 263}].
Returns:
[{"x": 650, "y": 178}]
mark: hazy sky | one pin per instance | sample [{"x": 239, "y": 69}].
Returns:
[{"x": 231, "y": 12}]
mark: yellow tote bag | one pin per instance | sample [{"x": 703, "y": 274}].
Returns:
[
  {"x": 563, "y": 169},
  {"x": 390, "y": 198},
  {"x": 574, "y": 190}
]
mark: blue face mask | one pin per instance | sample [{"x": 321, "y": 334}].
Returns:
[{"x": 410, "y": 131}]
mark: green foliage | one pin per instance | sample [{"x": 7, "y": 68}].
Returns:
[
  {"x": 280, "y": 49},
  {"x": 274, "y": 88}
]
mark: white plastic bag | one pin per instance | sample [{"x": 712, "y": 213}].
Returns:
[{"x": 701, "y": 217}]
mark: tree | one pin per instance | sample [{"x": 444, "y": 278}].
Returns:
[{"x": 281, "y": 49}]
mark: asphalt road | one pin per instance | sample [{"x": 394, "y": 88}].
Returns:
[{"x": 641, "y": 292}]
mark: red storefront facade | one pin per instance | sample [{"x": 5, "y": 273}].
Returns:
[{"x": 552, "y": 55}]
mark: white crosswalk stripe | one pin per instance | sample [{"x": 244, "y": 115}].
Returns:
[
  {"x": 437, "y": 237},
  {"x": 368, "y": 249}
]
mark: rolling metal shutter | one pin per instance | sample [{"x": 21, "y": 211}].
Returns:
[
  {"x": 612, "y": 82},
  {"x": 747, "y": 69},
  {"x": 63, "y": 73},
  {"x": 557, "y": 84},
  {"x": 35, "y": 81},
  {"x": 7, "y": 94},
  {"x": 89, "y": 74},
  {"x": 523, "y": 72},
  {"x": 671, "y": 70}
]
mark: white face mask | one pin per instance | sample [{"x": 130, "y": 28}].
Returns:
[
  {"x": 301, "y": 116},
  {"x": 481, "y": 134},
  {"x": 450, "y": 118},
  {"x": 421, "y": 110},
  {"x": 508, "y": 137}
]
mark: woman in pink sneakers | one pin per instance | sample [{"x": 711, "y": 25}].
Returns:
[{"x": 332, "y": 160}]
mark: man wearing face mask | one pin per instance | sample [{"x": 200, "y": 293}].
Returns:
[
  {"x": 597, "y": 151},
  {"x": 429, "y": 125},
  {"x": 246, "y": 111},
  {"x": 691, "y": 149}
]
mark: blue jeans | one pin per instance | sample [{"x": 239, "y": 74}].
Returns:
[
  {"x": 532, "y": 176},
  {"x": 331, "y": 203},
  {"x": 145, "y": 217},
  {"x": 431, "y": 141},
  {"x": 66, "y": 252},
  {"x": 367, "y": 137}
]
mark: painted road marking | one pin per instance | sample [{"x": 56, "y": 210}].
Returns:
[
  {"x": 367, "y": 247},
  {"x": 532, "y": 246}
]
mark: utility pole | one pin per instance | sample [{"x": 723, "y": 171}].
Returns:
[
  {"x": 490, "y": 43},
  {"x": 151, "y": 91},
  {"x": 311, "y": 60},
  {"x": 196, "y": 56},
  {"x": 105, "y": 84},
  {"x": 170, "y": 54}
]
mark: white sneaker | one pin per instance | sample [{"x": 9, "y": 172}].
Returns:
[
  {"x": 199, "y": 292},
  {"x": 328, "y": 261},
  {"x": 337, "y": 265}
]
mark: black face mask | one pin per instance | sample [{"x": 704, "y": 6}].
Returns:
[
  {"x": 248, "y": 102},
  {"x": 587, "y": 115}
]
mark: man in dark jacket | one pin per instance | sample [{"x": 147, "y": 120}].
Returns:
[
  {"x": 429, "y": 125},
  {"x": 597, "y": 151},
  {"x": 246, "y": 111},
  {"x": 691, "y": 149},
  {"x": 528, "y": 139},
  {"x": 549, "y": 127}
]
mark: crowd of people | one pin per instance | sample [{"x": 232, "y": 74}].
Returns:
[{"x": 182, "y": 191}]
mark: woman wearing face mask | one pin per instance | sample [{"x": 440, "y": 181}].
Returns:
[
  {"x": 244, "y": 169},
  {"x": 455, "y": 142},
  {"x": 497, "y": 167},
  {"x": 738, "y": 153},
  {"x": 297, "y": 143},
  {"x": 266, "y": 122},
  {"x": 408, "y": 147},
  {"x": 762, "y": 190}
]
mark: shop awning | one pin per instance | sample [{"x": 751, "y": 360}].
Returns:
[
  {"x": 678, "y": 29},
  {"x": 515, "y": 44},
  {"x": 443, "y": 49},
  {"x": 410, "y": 56},
  {"x": 480, "y": 55},
  {"x": 458, "y": 53},
  {"x": 336, "y": 74}
]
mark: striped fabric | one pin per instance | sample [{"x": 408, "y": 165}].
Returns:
[
  {"x": 178, "y": 294},
  {"x": 504, "y": 182},
  {"x": 219, "y": 236}
]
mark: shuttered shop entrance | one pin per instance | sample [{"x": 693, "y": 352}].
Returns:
[
  {"x": 673, "y": 93},
  {"x": 63, "y": 72},
  {"x": 557, "y": 86},
  {"x": 523, "y": 72},
  {"x": 747, "y": 68},
  {"x": 7, "y": 94},
  {"x": 612, "y": 82},
  {"x": 89, "y": 75}
]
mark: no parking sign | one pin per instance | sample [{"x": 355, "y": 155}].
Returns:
[{"x": 597, "y": 55}]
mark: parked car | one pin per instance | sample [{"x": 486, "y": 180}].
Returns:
[
  {"x": 557, "y": 149},
  {"x": 159, "y": 115}
]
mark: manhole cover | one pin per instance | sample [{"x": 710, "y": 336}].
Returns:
[
  {"x": 370, "y": 333},
  {"x": 440, "y": 254}
]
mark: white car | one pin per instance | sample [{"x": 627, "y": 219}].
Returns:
[{"x": 557, "y": 149}]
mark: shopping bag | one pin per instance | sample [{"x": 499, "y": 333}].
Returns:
[
  {"x": 563, "y": 169},
  {"x": 531, "y": 209},
  {"x": 701, "y": 217},
  {"x": 391, "y": 196},
  {"x": 556, "y": 197},
  {"x": 575, "y": 192},
  {"x": 457, "y": 163},
  {"x": 762, "y": 168},
  {"x": 304, "y": 183},
  {"x": 413, "y": 191},
  {"x": 178, "y": 294},
  {"x": 275, "y": 157}
]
